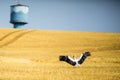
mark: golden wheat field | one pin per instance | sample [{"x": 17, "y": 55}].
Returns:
[{"x": 34, "y": 55}]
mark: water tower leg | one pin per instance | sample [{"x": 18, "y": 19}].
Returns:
[{"x": 18, "y": 25}]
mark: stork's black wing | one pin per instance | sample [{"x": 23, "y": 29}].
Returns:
[
  {"x": 83, "y": 57},
  {"x": 70, "y": 61},
  {"x": 67, "y": 59}
]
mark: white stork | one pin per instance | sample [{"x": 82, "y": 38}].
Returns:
[{"x": 75, "y": 62}]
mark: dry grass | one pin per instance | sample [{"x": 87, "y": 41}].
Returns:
[{"x": 33, "y": 55}]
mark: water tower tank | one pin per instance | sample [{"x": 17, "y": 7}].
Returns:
[{"x": 19, "y": 14}]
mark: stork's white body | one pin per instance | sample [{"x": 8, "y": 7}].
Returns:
[{"x": 76, "y": 60}]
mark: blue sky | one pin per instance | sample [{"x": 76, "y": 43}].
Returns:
[{"x": 71, "y": 15}]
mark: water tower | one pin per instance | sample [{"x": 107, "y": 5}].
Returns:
[{"x": 19, "y": 14}]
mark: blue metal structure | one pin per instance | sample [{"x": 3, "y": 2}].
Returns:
[{"x": 19, "y": 14}]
